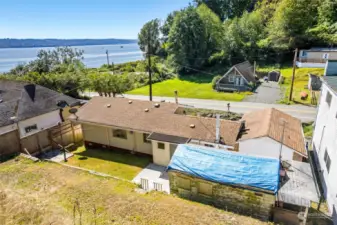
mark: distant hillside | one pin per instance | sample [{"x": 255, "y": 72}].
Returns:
[{"x": 30, "y": 43}]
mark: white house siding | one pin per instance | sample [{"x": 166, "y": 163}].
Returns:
[
  {"x": 42, "y": 122},
  {"x": 325, "y": 138},
  {"x": 104, "y": 135},
  {"x": 161, "y": 157},
  {"x": 265, "y": 147}
]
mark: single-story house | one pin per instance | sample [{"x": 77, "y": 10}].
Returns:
[
  {"x": 240, "y": 77},
  {"x": 27, "y": 113},
  {"x": 315, "y": 57},
  {"x": 149, "y": 128},
  {"x": 273, "y": 133},
  {"x": 229, "y": 180}
]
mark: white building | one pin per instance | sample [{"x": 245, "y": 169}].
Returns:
[
  {"x": 325, "y": 141},
  {"x": 272, "y": 133},
  {"x": 315, "y": 57}
]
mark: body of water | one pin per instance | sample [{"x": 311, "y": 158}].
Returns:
[{"x": 94, "y": 55}]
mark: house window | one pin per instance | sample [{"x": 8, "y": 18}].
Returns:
[
  {"x": 231, "y": 78},
  {"x": 145, "y": 136},
  {"x": 161, "y": 145},
  {"x": 328, "y": 98},
  {"x": 119, "y": 133},
  {"x": 327, "y": 160},
  {"x": 205, "y": 188},
  {"x": 183, "y": 183},
  {"x": 31, "y": 128}
]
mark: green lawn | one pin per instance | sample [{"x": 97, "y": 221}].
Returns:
[
  {"x": 188, "y": 89},
  {"x": 300, "y": 83},
  {"x": 122, "y": 165}
]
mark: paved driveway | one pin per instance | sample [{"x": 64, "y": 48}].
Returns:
[{"x": 266, "y": 93}]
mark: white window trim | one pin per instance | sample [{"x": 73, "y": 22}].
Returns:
[{"x": 231, "y": 78}]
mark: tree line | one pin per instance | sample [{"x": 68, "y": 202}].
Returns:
[{"x": 208, "y": 33}]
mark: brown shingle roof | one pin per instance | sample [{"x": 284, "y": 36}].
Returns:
[
  {"x": 269, "y": 123},
  {"x": 247, "y": 71},
  {"x": 160, "y": 120}
]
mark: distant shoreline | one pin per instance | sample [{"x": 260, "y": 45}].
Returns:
[{"x": 53, "y": 43}]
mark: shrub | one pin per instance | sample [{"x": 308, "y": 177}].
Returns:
[{"x": 215, "y": 80}]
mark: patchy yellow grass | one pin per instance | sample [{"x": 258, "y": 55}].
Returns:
[{"x": 47, "y": 193}]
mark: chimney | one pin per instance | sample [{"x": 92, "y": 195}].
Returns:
[
  {"x": 30, "y": 89},
  {"x": 217, "y": 129},
  {"x": 176, "y": 96},
  {"x": 243, "y": 125}
]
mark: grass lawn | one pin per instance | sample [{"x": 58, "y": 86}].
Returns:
[
  {"x": 188, "y": 89},
  {"x": 122, "y": 165},
  {"x": 300, "y": 83},
  {"x": 48, "y": 193}
]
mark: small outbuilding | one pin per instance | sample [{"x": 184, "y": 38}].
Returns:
[
  {"x": 229, "y": 180},
  {"x": 274, "y": 76}
]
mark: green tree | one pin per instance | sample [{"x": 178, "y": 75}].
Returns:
[
  {"x": 188, "y": 40},
  {"x": 149, "y": 37},
  {"x": 291, "y": 22},
  {"x": 56, "y": 60},
  {"x": 227, "y": 9},
  {"x": 326, "y": 28}
]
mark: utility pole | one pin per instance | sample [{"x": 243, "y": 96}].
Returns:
[
  {"x": 149, "y": 59},
  {"x": 107, "y": 56},
  {"x": 254, "y": 68},
  {"x": 293, "y": 77}
]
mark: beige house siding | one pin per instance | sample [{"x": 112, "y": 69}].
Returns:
[
  {"x": 240, "y": 200},
  {"x": 142, "y": 146},
  {"x": 161, "y": 157},
  {"x": 319, "y": 55},
  {"x": 104, "y": 136}
]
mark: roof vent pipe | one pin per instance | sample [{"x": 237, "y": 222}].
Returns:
[
  {"x": 130, "y": 102},
  {"x": 157, "y": 105},
  {"x": 217, "y": 129},
  {"x": 146, "y": 110}
]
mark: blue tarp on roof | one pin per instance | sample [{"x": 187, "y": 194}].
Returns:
[{"x": 227, "y": 167}]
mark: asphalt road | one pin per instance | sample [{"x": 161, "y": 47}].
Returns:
[{"x": 304, "y": 113}]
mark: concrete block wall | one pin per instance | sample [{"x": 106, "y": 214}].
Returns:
[{"x": 235, "y": 199}]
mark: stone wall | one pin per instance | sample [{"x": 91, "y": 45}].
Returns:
[{"x": 236, "y": 199}]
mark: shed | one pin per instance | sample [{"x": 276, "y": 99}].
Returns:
[
  {"x": 274, "y": 75},
  {"x": 229, "y": 180},
  {"x": 314, "y": 83}
]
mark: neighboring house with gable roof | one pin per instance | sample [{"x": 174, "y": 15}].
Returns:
[
  {"x": 149, "y": 128},
  {"x": 238, "y": 78},
  {"x": 271, "y": 133},
  {"x": 27, "y": 111}
]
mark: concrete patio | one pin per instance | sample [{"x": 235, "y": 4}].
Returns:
[{"x": 153, "y": 177}]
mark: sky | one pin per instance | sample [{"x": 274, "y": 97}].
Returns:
[{"x": 81, "y": 18}]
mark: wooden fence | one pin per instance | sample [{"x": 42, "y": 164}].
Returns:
[{"x": 65, "y": 134}]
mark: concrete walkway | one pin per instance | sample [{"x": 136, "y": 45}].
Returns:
[
  {"x": 154, "y": 178},
  {"x": 268, "y": 93}
]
